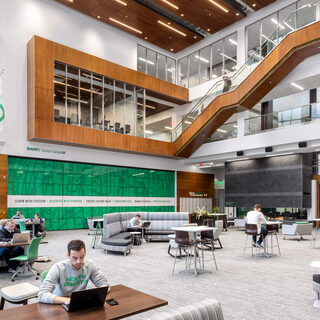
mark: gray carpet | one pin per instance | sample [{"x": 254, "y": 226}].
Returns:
[{"x": 279, "y": 287}]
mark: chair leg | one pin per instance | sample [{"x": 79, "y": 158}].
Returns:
[
  {"x": 245, "y": 246},
  {"x": 220, "y": 243},
  {"x": 2, "y": 303},
  {"x": 175, "y": 259},
  {"x": 213, "y": 255},
  {"x": 278, "y": 244}
]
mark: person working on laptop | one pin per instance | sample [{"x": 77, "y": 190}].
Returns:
[
  {"x": 70, "y": 275},
  {"x": 135, "y": 223},
  {"x": 38, "y": 223},
  {"x": 256, "y": 217},
  {"x": 18, "y": 215},
  {"x": 6, "y": 234}
]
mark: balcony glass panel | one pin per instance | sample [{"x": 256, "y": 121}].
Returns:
[
  {"x": 194, "y": 60},
  {"x": 230, "y": 53},
  {"x": 183, "y": 72},
  {"x": 142, "y": 59},
  {"x": 205, "y": 64},
  {"x": 161, "y": 65},
  {"x": 217, "y": 59},
  {"x": 151, "y": 63},
  {"x": 171, "y": 70}
]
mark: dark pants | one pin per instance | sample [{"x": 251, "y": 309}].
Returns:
[
  {"x": 11, "y": 252},
  {"x": 263, "y": 234}
]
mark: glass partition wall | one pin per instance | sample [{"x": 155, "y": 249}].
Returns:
[{"x": 87, "y": 99}]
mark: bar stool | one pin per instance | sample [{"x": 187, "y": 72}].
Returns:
[
  {"x": 273, "y": 229},
  {"x": 18, "y": 293},
  {"x": 252, "y": 230}
]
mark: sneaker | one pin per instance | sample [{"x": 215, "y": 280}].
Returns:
[
  {"x": 11, "y": 270},
  {"x": 259, "y": 245},
  {"x": 254, "y": 244}
]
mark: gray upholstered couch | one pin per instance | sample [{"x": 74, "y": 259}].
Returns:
[
  {"x": 116, "y": 237},
  {"x": 208, "y": 309}
]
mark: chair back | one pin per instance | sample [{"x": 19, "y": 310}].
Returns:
[
  {"x": 33, "y": 248},
  {"x": 251, "y": 229},
  {"x": 22, "y": 226},
  {"x": 43, "y": 275},
  {"x": 182, "y": 238}
]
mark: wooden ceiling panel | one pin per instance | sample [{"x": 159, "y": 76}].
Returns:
[
  {"x": 258, "y": 4},
  {"x": 204, "y": 13},
  {"x": 131, "y": 15}
]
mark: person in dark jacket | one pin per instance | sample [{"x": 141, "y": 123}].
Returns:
[{"x": 6, "y": 234}]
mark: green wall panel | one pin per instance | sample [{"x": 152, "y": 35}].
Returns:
[{"x": 33, "y": 177}]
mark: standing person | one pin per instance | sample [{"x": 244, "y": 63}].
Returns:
[
  {"x": 18, "y": 215},
  {"x": 135, "y": 223},
  {"x": 70, "y": 275},
  {"x": 6, "y": 234},
  {"x": 256, "y": 217},
  {"x": 226, "y": 84}
]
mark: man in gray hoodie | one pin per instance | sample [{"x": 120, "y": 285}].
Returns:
[{"x": 70, "y": 275}]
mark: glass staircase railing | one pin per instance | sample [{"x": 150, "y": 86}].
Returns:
[{"x": 306, "y": 15}]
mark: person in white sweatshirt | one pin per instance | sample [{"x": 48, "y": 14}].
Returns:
[
  {"x": 70, "y": 275},
  {"x": 256, "y": 217}
]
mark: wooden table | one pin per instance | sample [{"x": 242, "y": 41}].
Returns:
[{"x": 130, "y": 302}]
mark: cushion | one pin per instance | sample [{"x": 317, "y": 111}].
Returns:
[
  {"x": 19, "y": 292},
  {"x": 117, "y": 242},
  {"x": 123, "y": 235},
  {"x": 114, "y": 229}
]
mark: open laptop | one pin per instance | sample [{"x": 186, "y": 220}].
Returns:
[
  {"x": 21, "y": 237},
  {"x": 146, "y": 224},
  {"x": 87, "y": 298}
]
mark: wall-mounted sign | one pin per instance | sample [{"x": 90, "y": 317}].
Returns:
[
  {"x": 198, "y": 194},
  {"x": 34, "y": 149}
]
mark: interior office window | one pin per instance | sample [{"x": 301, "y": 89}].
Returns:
[
  {"x": 230, "y": 53},
  {"x": 287, "y": 20},
  {"x": 108, "y": 104},
  {"x": 140, "y": 113},
  {"x": 142, "y": 59},
  {"x": 253, "y": 42},
  {"x": 161, "y": 67},
  {"x": 269, "y": 33},
  {"x": 205, "y": 64},
  {"x": 151, "y": 63},
  {"x": 59, "y": 92},
  {"x": 183, "y": 72},
  {"x": 119, "y": 107},
  {"x": 171, "y": 70},
  {"x": 217, "y": 59},
  {"x": 307, "y": 12},
  {"x": 72, "y": 95},
  {"x": 97, "y": 101},
  {"x": 131, "y": 110},
  {"x": 85, "y": 98},
  {"x": 194, "y": 60}
]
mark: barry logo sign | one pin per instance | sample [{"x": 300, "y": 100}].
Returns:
[{"x": 2, "y": 116}]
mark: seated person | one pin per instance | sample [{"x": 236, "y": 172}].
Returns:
[
  {"x": 18, "y": 215},
  {"x": 39, "y": 226},
  {"x": 6, "y": 234},
  {"x": 135, "y": 223},
  {"x": 257, "y": 217},
  {"x": 70, "y": 275}
]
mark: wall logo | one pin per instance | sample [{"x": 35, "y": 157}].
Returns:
[{"x": 1, "y": 112}]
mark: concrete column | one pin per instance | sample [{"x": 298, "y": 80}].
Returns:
[{"x": 240, "y": 124}]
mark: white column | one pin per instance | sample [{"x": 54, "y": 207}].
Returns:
[
  {"x": 240, "y": 124},
  {"x": 241, "y": 48}
]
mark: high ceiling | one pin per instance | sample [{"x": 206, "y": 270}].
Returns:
[{"x": 170, "y": 24}]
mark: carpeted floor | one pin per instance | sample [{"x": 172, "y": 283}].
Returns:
[{"x": 278, "y": 287}]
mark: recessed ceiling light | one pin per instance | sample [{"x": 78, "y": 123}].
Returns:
[
  {"x": 297, "y": 86},
  {"x": 98, "y": 17},
  {"x": 219, "y": 6},
  {"x": 70, "y": 0},
  {"x": 125, "y": 25},
  {"x": 208, "y": 29},
  {"x": 209, "y": 14},
  {"x": 146, "y": 38},
  {"x": 254, "y": 4},
  {"x": 169, "y": 22},
  {"x": 168, "y": 128},
  {"x": 171, "y": 49},
  {"x": 195, "y": 37},
  {"x": 170, "y": 4},
  {"x": 174, "y": 29},
  {"x": 237, "y": 13},
  {"x": 121, "y": 2},
  {"x": 181, "y": 14}
]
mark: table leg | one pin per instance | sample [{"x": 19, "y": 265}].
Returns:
[
  {"x": 195, "y": 253},
  {"x": 33, "y": 228}
]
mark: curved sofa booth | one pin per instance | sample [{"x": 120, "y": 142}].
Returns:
[{"x": 115, "y": 225}]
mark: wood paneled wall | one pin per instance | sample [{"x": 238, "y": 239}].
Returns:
[
  {"x": 194, "y": 182},
  {"x": 3, "y": 185},
  {"x": 41, "y": 126}
]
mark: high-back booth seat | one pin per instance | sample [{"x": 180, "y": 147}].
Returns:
[
  {"x": 297, "y": 229},
  {"x": 115, "y": 225},
  {"x": 208, "y": 309}
]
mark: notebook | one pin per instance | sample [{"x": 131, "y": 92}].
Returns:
[
  {"x": 21, "y": 237},
  {"x": 87, "y": 298}
]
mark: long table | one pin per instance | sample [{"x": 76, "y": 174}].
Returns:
[{"x": 130, "y": 302}]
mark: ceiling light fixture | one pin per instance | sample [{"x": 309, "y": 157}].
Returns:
[
  {"x": 202, "y": 59},
  {"x": 170, "y": 4},
  {"x": 233, "y": 42},
  {"x": 144, "y": 60},
  {"x": 148, "y": 131},
  {"x": 98, "y": 17},
  {"x": 125, "y": 25},
  {"x": 254, "y": 5},
  {"x": 237, "y": 13},
  {"x": 187, "y": 122},
  {"x": 147, "y": 106},
  {"x": 121, "y": 2},
  {"x": 168, "y": 128},
  {"x": 238, "y": 159},
  {"x": 174, "y": 29},
  {"x": 297, "y": 86},
  {"x": 219, "y": 6},
  {"x": 221, "y": 130}
]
